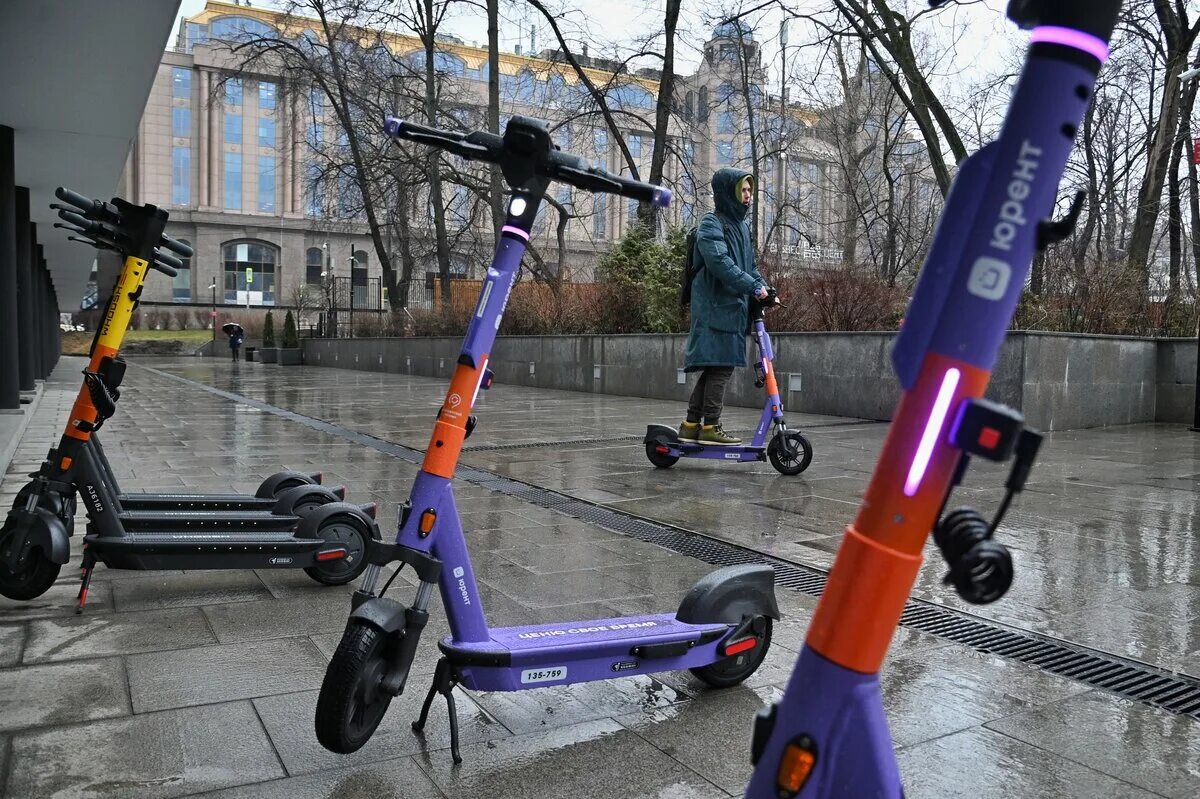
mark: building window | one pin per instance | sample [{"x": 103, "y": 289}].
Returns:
[
  {"x": 635, "y": 145},
  {"x": 631, "y": 209},
  {"x": 725, "y": 122},
  {"x": 181, "y": 175},
  {"x": 600, "y": 217},
  {"x": 233, "y": 91},
  {"x": 314, "y": 265},
  {"x": 233, "y": 128},
  {"x": 181, "y": 122},
  {"x": 181, "y": 288},
  {"x": 181, "y": 83},
  {"x": 358, "y": 279},
  {"x": 460, "y": 208},
  {"x": 316, "y": 102},
  {"x": 314, "y": 189},
  {"x": 600, "y": 136},
  {"x": 724, "y": 153},
  {"x": 266, "y": 131},
  {"x": 233, "y": 181},
  {"x": 249, "y": 272},
  {"x": 266, "y": 95},
  {"x": 266, "y": 183}
]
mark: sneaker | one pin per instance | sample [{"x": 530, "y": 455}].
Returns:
[
  {"x": 689, "y": 431},
  {"x": 713, "y": 434}
]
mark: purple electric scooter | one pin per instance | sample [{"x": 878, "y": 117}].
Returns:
[
  {"x": 722, "y": 629},
  {"x": 788, "y": 451}
]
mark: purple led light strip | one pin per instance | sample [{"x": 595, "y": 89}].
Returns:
[
  {"x": 1054, "y": 34},
  {"x": 941, "y": 406},
  {"x": 516, "y": 231}
]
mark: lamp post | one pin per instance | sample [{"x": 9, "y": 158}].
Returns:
[
  {"x": 351, "y": 267},
  {"x": 213, "y": 313},
  {"x": 1184, "y": 77}
]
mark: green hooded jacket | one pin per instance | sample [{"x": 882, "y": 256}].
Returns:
[{"x": 721, "y": 290}]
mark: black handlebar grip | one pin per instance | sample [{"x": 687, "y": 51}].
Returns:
[
  {"x": 167, "y": 264},
  {"x": 85, "y": 204},
  {"x": 78, "y": 220},
  {"x": 176, "y": 246}
]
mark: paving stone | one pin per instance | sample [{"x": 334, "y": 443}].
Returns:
[
  {"x": 289, "y": 721},
  {"x": 983, "y": 764},
  {"x": 190, "y": 589},
  {"x": 279, "y": 618},
  {"x": 62, "y": 693},
  {"x": 597, "y": 759},
  {"x": 400, "y": 778},
  {"x": 548, "y": 590},
  {"x": 203, "y": 675},
  {"x": 116, "y": 634},
  {"x": 150, "y": 756},
  {"x": 12, "y": 642},
  {"x": 1113, "y": 735},
  {"x": 59, "y": 601}
]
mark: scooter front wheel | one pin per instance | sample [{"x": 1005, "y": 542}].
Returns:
[
  {"x": 790, "y": 454},
  {"x": 32, "y": 579},
  {"x": 735, "y": 669},
  {"x": 352, "y": 701}
]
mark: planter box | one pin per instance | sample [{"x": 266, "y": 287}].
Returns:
[
  {"x": 268, "y": 355},
  {"x": 291, "y": 357}
]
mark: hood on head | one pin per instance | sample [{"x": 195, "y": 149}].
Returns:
[{"x": 725, "y": 195}]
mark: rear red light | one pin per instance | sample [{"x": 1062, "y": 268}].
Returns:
[
  {"x": 331, "y": 554},
  {"x": 734, "y": 647},
  {"x": 662, "y": 450}
]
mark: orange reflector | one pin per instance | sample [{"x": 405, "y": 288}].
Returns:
[
  {"x": 734, "y": 647},
  {"x": 65, "y": 463},
  {"x": 427, "y": 520},
  {"x": 795, "y": 766},
  {"x": 331, "y": 554}
]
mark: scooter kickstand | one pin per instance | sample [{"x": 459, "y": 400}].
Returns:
[
  {"x": 85, "y": 581},
  {"x": 443, "y": 683}
]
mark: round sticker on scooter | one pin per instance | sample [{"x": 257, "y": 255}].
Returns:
[{"x": 454, "y": 400}]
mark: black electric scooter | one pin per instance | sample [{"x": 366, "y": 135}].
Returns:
[{"x": 34, "y": 541}]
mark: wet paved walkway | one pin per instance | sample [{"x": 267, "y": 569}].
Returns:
[{"x": 204, "y": 682}]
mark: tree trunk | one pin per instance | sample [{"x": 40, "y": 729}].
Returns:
[
  {"x": 495, "y": 180},
  {"x": 433, "y": 163},
  {"x": 662, "y": 111}
]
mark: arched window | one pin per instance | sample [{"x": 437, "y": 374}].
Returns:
[
  {"x": 249, "y": 272},
  {"x": 527, "y": 86},
  {"x": 448, "y": 64},
  {"x": 314, "y": 265},
  {"x": 181, "y": 288},
  {"x": 358, "y": 278}
]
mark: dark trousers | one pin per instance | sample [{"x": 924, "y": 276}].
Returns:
[
  {"x": 233, "y": 351},
  {"x": 708, "y": 397}
]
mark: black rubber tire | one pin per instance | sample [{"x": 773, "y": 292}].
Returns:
[
  {"x": 279, "y": 482},
  {"x": 731, "y": 671},
  {"x": 350, "y": 707},
  {"x": 657, "y": 458},
  {"x": 793, "y": 462},
  {"x": 31, "y": 582},
  {"x": 349, "y": 531}
]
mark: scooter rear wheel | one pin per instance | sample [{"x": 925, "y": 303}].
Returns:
[
  {"x": 352, "y": 703},
  {"x": 31, "y": 581},
  {"x": 792, "y": 456},
  {"x": 346, "y": 531},
  {"x": 735, "y": 669}
]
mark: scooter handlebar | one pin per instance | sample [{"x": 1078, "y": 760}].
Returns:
[
  {"x": 177, "y": 247},
  {"x": 93, "y": 209}
]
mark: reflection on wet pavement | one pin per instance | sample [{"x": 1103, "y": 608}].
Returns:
[{"x": 1103, "y": 540}]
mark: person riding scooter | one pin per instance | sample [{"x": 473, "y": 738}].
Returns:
[{"x": 720, "y": 305}]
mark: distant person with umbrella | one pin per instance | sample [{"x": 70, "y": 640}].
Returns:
[{"x": 236, "y": 337}]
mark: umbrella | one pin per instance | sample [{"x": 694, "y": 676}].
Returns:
[{"x": 231, "y": 328}]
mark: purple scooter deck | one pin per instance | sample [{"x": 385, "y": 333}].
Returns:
[{"x": 516, "y": 658}]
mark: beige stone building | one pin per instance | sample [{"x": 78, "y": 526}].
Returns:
[{"x": 232, "y": 158}]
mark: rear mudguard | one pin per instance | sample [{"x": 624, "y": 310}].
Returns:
[
  {"x": 42, "y": 530},
  {"x": 310, "y": 525},
  {"x": 660, "y": 432},
  {"x": 729, "y": 595}
]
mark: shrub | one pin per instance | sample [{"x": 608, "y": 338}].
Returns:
[
  {"x": 290, "y": 340},
  {"x": 204, "y": 319},
  {"x": 268, "y": 331},
  {"x": 640, "y": 279},
  {"x": 182, "y": 317}
]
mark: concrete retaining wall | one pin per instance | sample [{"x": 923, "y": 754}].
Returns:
[{"x": 1060, "y": 381}]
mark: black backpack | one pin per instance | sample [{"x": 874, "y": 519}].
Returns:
[{"x": 691, "y": 267}]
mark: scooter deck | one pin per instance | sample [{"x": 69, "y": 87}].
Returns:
[
  {"x": 221, "y": 549},
  {"x": 222, "y": 502},
  {"x": 742, "y": 452},
  {"x": 516, "y": 658},
  {"x": 135, "y": 520}
]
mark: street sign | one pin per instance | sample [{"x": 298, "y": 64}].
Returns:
[{"x": 249, "y": 275}]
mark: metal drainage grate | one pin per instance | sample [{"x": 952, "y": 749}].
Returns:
[{"x": 1173, "y": 692}]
